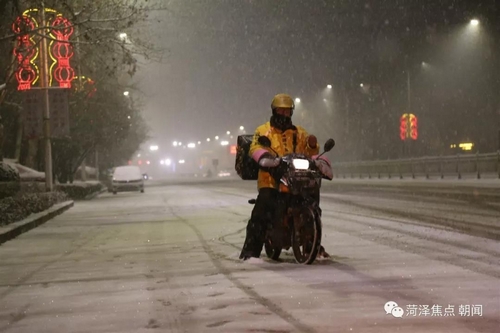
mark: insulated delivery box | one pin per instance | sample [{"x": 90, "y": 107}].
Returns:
[{"x": 245, "y": 166}]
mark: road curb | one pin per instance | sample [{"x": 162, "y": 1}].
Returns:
[
  {"x": 15, "y": 229},
  {"x": 93, "y": 195}
]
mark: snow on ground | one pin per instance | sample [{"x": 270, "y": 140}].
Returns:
[{"x": 168, "y": 261}]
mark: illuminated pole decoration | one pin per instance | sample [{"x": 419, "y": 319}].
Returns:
[
  {"x": 62, "y": 51},
  {"x": 408, "y": 127},
  {"x": 413, "y": 127},
  {"x": 84, "y": 83},
  {"x": 27, "y": 51}
]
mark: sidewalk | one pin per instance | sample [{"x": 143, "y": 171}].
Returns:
[{"x": 15, "y": 229}]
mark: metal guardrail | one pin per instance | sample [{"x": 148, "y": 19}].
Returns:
[{"x": 442, "y": 166}]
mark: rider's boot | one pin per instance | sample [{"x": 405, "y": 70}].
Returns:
[{"x": 322, "y": 253}]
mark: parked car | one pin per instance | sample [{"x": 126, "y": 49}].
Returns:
[{"x": 127, "y": 178}]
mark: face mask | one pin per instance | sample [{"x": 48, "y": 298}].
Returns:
[{"x": 281, "y": 122}]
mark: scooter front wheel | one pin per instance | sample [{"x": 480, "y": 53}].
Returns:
[{"x": 306, "y": 237}]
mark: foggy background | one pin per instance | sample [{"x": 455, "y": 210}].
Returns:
[{"x": 225, "y": 60}]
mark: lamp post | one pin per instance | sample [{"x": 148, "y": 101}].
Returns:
[{"x": 44, "y": 71}]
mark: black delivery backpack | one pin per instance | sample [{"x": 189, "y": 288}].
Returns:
[{"x": 245, "y": 166}]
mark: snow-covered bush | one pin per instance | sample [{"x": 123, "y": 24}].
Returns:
[
  {"x": 9, "y": 180},
  {"x": 20, "y": 206},
  {"x": 80, "y": 191}
]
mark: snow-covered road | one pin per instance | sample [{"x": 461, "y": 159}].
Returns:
[{"x": 167, "y": 261}]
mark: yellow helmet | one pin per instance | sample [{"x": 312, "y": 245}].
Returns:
[{"x": 282, "y": 101}]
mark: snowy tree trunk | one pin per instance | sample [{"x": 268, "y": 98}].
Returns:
[{"x": 19, "y": 137}]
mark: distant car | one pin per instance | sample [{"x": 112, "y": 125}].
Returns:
[
  {"x": 127, "y": 178},
  {"x": 224, "y": 173}
]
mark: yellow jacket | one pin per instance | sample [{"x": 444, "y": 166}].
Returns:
[{"x": 282, "y": 142}]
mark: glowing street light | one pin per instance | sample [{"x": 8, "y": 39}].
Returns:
[
  {"x": 199, "y": 142},
  {"x": 168, "y": 161},
  {"x": 126, "y": 93},
  {"x": 175, "y": 143},
  {"x": 182, "y": 161},
  {"x": 153, "y": 148},
  {"x": 329, "y": 86},
  {"x": 191, "y": 145},
  {"x": 224, "y": 143},
  {"x": 123, "y": 36},
  {"x": 228, "y": 132},
  {"x": 297, "y": 100},
  {"x": 216, "y": 137},
  {"x": 208, "y": 139},
  {"x": 361, "y": 85},
  {"x": 242, "y": 128},
  {"x": 474, "y": 22}
]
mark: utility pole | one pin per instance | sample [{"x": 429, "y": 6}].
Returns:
[
  {"x": 83, "y": 166},
  {"x": 2, "y": 87},
  {"x": 407, "y": 143},
  {"x": 46, "y": 107}
]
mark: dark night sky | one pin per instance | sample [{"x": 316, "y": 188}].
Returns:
[{"x": 226, "y": 59}]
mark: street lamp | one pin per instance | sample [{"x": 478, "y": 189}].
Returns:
[
  {"x": 175, "y": 143},
  {"x": 297, "y": 100},
  {"x": 361, "y": 85},
  {"x": 329, "y": 86},
  {"x": 228, "y": 132},
  {"x": 153, "y": 148},
  {"x": 123, "y": 36},
  {"x": 191, "y": 145},
  {"x": 242, "y": 128},
  {"x": 216, "y": 137},
  {"x": 208, "y": 139},
  {"x": 126, "y": 93},
  {"x": 474, "y": 22}
]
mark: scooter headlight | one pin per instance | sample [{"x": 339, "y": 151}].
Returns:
[{"x": 300, "y": 164}]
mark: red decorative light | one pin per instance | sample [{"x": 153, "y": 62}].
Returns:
[
  {"x": 62, "y": 50},
  {"x": 413, "y": 127},
  {"x": 408, "y": 127},
  {"x": 84, "y": 83},
  {"x": 403, "y": 127},
  {"x": 25, "y": 52}
]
